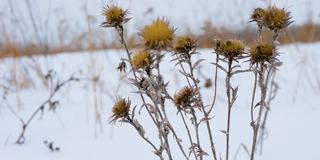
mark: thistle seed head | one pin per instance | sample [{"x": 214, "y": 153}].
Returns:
[
  {"x": 120, "y": 110},
  {"x": 230, "y": 49},
  {"x": 141, "y": 59},
  {"x": 261, "y": 52},
  {"x": 184, "y": 98},
  {"x": 158, "y": 35},
  {"x": 257, "y": 15},
  {"x": 114, "y": 16},
  {"x": 276, "y": 19},
  {"x": 184, "y": 44}
]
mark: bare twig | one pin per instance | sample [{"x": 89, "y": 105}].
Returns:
[{"x": 26, "y": 123}]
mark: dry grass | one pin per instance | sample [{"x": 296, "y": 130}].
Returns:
[{"x": 305, "y": 33}]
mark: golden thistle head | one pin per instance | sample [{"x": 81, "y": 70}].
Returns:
[
  {"x": 141, "y": 59},
  {"x": 157, "y": 35},
  {"x": 230, "y": 48},
  {"x": 120, "y": 110},
  {"x": 257, "y": 15},
  {"x": 261, "y": 52},
  {"x": 115, "y": 16},
  {"x": 276, "y": 19},
  {"x": 185, "y": 97},
  {"x": 184, "y": 44}
]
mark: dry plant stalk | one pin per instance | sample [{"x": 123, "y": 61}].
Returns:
[
  {"x": 159, "y": 38},
  {"x": 49, "y": 103},
  {"x": 263, "y": 57}
]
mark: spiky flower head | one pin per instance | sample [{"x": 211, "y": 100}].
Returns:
[
  {"x": 158, "y": 35},
  {"x": 120, "y": 109},
  {"x": 230, "y": 49},
  {"x": 276, "y": 19},
  {"x": 184, "y": 98},
  {"x": 184, "y": 44},
  {"x": 261, "y": 52},
  {"x": 257, "y": 16},
  {"x": 140, "y": 59},
  {"x": 115, "y": 16}
]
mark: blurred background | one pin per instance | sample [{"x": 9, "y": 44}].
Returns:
[
  {"x": 52, "y": 26},
  {"x": 64, "y": 37}
]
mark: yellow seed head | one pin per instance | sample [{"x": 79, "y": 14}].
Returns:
[
  {"x": 276, "y": 18},
  {"x": 115, "y": 16},
  {"x": 141, "y": 59},
  {"x": 184, "y": 44},
  {"x": 261, "y": 52},
  {"x": 120, "y": 109},
  {"x": 184, "y": 97},
  {"x": 158, "y": 35},
  {"x": 231, "y": 48},
  {"x": 258, "y": 15}
]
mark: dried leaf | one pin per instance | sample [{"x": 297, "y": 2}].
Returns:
[
  {"x": 220, "y": 67},
  {"x": 223, "y": 131},
  {"x": 197, "y": 63}
]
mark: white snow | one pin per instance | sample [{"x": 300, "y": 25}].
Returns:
[{"x": 293, "y": 130}]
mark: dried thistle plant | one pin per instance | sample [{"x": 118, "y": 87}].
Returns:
[
  {"x": 232, "y": 51},
  {"x": 263, "y": 56},
  {"x": 50, "y": 104},
  {"x": 157, "y": 39}
]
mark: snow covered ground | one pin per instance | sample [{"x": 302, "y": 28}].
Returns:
[{"x": 293, "y": 129}]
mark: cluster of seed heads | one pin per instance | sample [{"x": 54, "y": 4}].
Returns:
[{"x": 159, "y": 36}]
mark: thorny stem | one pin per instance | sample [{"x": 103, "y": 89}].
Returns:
[
  {"x": 165, "y": 115},
  {"x": 272, "y": 94},
  {"x": 155, "y": 99},
  {"x": 215, "y": 85},
  {"x": 253, "y": 97},
  {"x": 156, "y": 121},
  {"x": 184, "y": 71},
  {"x": 189, "y": 134},
  {"x": 168, "y": 147},
  {"x": 205, "y": 113},
  {"x": 228, "y": 86},
  {"x": 40, "y": 109},
  {"x": 196, "y": 125},
  {"x": 174, "y": 133},
  {"x": 256, "y": 125},
  {"x": 123, "y": 42},
  {"x": 271, "y": 73},
  {"x": 146, "y": 139},
  {"x": 260, "y": 31}
]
